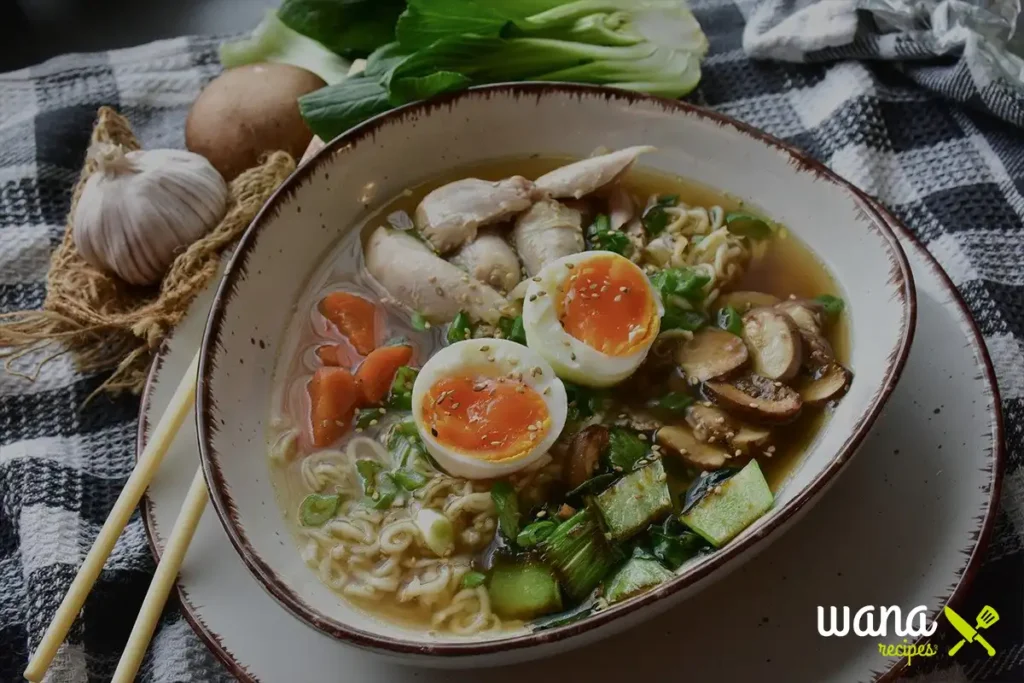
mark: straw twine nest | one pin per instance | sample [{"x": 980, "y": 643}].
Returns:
[{"x": 106, "y": 323}]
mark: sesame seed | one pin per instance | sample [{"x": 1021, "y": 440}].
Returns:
[
  {"x": 531, "y": 428},
  {"x": 520, "y": 389},
  {"x": 455, "y": 406},
  {"x": 618, "y": 297},
  {"x": 359, "y": 430},
  {"x": 542, "y": 513},
  {"x": 738, "y": 453},
  {"x": 533, "y": 297},
  {"x": 752, "y": 404},
  {"x": 572, "y": 356},
  {"x": 717, "y": 489},
  {"x": 432, "y": 279},
  {"x": 485, "y": 348},
  {"x": 490, "y": 359},
  {"x": 495, "y": 443},
  {"x": 570, "y": 266},
  {"x": 624, "y": 290},
  {"x": 642, "y": 437},
  {"x": 593, "y": 285},
  {"x": 382, "y": 410},
  {"x": 547, "y": 390},
  {"x": 541, "y": 293},
  {"x": 426, "y": 325}
]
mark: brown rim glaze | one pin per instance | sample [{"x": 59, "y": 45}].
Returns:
[{"x": 223, "y": 504}]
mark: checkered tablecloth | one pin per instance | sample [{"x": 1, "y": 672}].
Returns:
[{"x": 953, "y": 173}]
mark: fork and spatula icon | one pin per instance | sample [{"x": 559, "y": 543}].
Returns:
[{"x": 986, "y": 617}]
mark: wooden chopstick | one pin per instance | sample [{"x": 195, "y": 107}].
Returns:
[
  {"x": 180, "y": 405},
  {"x": 166, "y": 573}
]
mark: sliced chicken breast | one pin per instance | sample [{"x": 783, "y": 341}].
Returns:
[
  {"x": 450, "y": 215},
  {"x": 490, "y": 259},
  {"x": 548, "y": 231},
  {"x": 580, "y": 178},
  {"x": 421, "y": 281}
]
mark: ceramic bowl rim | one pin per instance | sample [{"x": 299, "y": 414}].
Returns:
[{"x": 901, "y": 282}]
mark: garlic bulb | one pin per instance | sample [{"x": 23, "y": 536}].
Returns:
[{"x": 140, "y": 209}]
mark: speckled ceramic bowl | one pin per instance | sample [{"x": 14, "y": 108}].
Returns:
[{"x": 328, "y": 196}]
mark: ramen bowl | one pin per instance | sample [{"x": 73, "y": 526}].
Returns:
[{"x": 357, "y": 173}]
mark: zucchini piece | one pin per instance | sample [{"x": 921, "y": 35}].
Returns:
[
  {"x": 636, "y": 500},
  {"x": 635, "y": 577},
  {"x": 739, "y": 500},
  {"x": 523, "y": 591},
  {"x": 580, "y": 554}
]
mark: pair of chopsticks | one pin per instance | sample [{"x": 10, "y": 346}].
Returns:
[{"x": 174, "y": 552}]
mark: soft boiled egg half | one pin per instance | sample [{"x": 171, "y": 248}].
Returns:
[
  {"x": 486, "y": 408},
  {"x": 593, "y": 316}
]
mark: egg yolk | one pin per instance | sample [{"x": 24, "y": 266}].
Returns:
[
  {"x": 606, "y": 303},
  {"x": 490, "y": 418}
]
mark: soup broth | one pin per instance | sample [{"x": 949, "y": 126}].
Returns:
[{"x": 365, "y": 536}]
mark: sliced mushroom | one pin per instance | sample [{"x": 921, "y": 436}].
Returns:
[
  {"x": 423, "y": 282},
  {"x": 585, "y": 454},
  {"x": 621, "y": 209},
  {"x": 774, "y": 343},
  {"x": 682, "y": 441},
  {"x": 450, "y": 215},
  {"x": 711, "y": 353},
  {"x": 580, "y": 178},
  {"x": 490, "y": 259},
  {"x": 638, "y": 238},
  {"x": 808, "y": 315},
  {"x": 709, "y": 424},
  {"x": 744, "y": 301},
  {"x": 757, "y": 398},
  {"x": 750, "y": 437},
  {"x": 548, "y": 231},
  {"x": 833, "y": 382}
]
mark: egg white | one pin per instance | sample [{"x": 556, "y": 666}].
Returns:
[
  {"x": 472, "y": 357},
  {"x": 571, "y": 358}
]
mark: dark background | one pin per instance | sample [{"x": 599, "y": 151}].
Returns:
[{"x": 35, "y": 30}]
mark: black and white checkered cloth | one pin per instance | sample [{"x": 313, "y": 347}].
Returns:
[{"x": 954, "y": 175}]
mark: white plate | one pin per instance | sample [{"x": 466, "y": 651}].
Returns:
[{"x": 906, "y": 525}]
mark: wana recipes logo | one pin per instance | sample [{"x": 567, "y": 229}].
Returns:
[{"x": 871, "y": 621}]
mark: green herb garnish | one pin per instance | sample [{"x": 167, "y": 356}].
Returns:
[
  {"x": 535, "y": 532},
  {"x": 833, "y": 305},
  {"x": 601, "y": 237},
  {"x": 472, "y": 579},
  {"x": 676, "y": 318},
  {"x": 748, "y": 225},
  {"x": 625, "y": 449},
  {"x": 367, "y": 417},
  {"x": 408, "y": 479},
  {"x": 317, "y": 508},
  {"x": 460, "y": 329},
  {"x": 674, "y": 402},
  {"x": 730, "y": 320},
  {"x": 419, "y": 322},
  {"x": 507, "y": 505},
  {"x": 400, "y": 396}
]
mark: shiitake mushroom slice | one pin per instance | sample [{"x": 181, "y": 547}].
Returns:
[
  {"x": 711, "y": 353},
  {"x": 585, "y": 454},
  {"x": 745, "y": 301},
  {"x": 709, "y": 424},
  {"x": 682, "y": 441},
  {"x": 774, "y": 343},
  {"x": 757, "y": 398},
  {"x": 831, "y": 384}
]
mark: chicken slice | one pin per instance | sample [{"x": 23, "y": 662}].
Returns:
[
  {"x": 580, "y": 178},
  {"x": 548, "y": 231},
  {"x": 423, "y": 282},
  {"x": 450, "y": 215},
  {"x": 491, "y": 260}
]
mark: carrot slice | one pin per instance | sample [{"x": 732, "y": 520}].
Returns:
[
  {"x": 333, "y": 395},
  {"x": 334, "y": 355},
  {"x": 376, "y": 373},
  {"x": 354, "y": 316}
]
